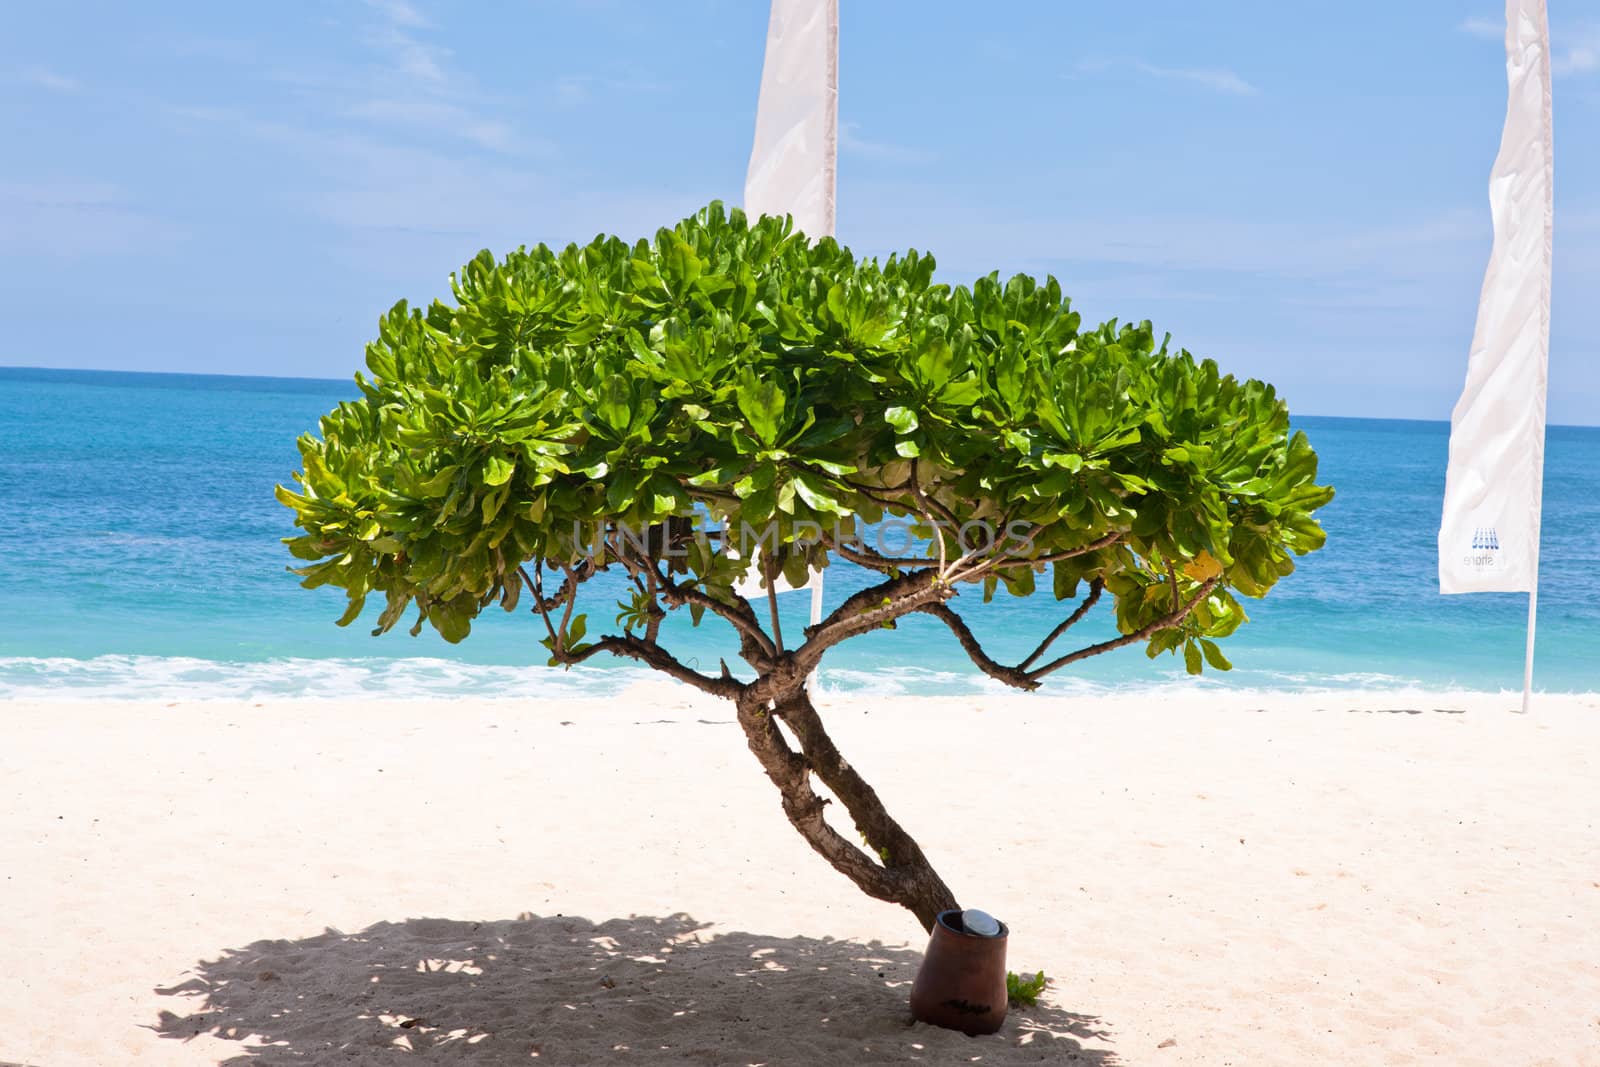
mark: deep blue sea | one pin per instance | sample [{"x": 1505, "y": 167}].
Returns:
[{"x": 142, "y": 559}]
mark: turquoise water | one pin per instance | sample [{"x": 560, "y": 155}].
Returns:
[{"x": 142, "y": 559}]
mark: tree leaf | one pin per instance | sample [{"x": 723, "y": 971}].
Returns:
[
  {"x": 614, "y": 403},
  {"x": 1214, "y": 655},
  {"x": 762, "y": 403},
  {"x": 497, "y": 470},
  {"x": 904, "y": 420}
]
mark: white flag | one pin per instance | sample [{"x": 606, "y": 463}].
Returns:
[
  {"x": 1489, "y": 535},
  {"x": 793, "y": 163}
]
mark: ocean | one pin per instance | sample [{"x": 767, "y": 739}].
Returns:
[{"x": 142, "y": 560}]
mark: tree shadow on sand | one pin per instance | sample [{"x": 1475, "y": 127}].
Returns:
[{"x": 567, "y": 990}]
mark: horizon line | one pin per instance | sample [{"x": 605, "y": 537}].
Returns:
[{"x": 343, "y": 381}]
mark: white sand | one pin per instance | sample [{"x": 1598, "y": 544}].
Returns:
[{"x": 1216, "y": 879}]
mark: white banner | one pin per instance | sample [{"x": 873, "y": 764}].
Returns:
[
  {"x": 793, "y": 163},
  {"x": 1489, "y": 535}
]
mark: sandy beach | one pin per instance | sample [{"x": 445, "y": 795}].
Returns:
[{"x": 1207, "y": 878}]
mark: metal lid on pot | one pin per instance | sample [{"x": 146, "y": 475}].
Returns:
[{"x": 980, "y": 923}]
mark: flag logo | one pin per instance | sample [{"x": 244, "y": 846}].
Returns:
[{"x": 1485, "y": 553}]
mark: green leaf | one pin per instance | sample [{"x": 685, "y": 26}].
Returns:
[
  {"x": 352, "y": 611},
  {"x": 614, "y": 403},
  {"x": 492, "y": 503},
  {"x": 683, "y": 266},
  {"x": 304, "y": 547},
  {"x": 497, "y": 470},
  {"x": 452, "y": 623},
  {"x": 962, "y": 393},
  {"x": 933, "y": 363},
  {"x": 1214, "y": 655},
  {"x": 1064, "y": 579},
  {"x": 818, "y": 496},
  {"x": 621, "y": 492},
  {"x": 289, "y": 498},
  {"x": 438, "y": 483},
  {"x": 904, "y": 420},
  {"x": 762, "y": 403},
  {"x": 796, "y": 571},
  {"x": 1191, "y": 657}
]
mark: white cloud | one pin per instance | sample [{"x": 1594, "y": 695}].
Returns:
[
  {"x": 888, "y": 215},
  {"x": 572, "y": 91},
  {"x": 409, "y": 85},
  {"x": 79, "y": 219},
  {"x": 401, "y": 13},
  {"x": 411, "y": 56},
  {"x": 575, "y": 89},
  {"x": 45, "y": 78},
  {"x": 1486, "y": 28},
  {"x": 408, "y": 54},
  {"x": 492, "y": 134},
  {"x": 851, "y": 142},
  {"x": 200, "y": 46},
  {"x": 1219, "y": 80},
  {"x": 206, "y": 113},
  {"x": 1580, "y": 56},
  {"x": 69, "y": 195}
]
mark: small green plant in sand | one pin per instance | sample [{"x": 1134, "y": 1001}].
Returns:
[{"x": 1023, "y": 990}]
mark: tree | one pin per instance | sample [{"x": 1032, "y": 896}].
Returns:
[{"x": 732, "y": 399}]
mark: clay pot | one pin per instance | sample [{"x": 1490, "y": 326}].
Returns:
[{"x": 961, "y": 984}]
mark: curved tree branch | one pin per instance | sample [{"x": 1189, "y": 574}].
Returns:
[
  {"x": 1171, "y": 618},
  {"x": 867, "y": 610},
  {"x": 566, "y": 613},
  {"x": 540, "y": 604},
  {"x": 653, "y": 655},
  {"x": 1023, "y": 678},
  {"x": 740, "y": 615},
  {"x": 772, "y": 603},
  {"x": 1066, "y": 624},
  {"x": 1064, "y": 554},
  {"x": 863, "y": 556},
  {"x": 1013, "y": 676},
  {"x": 535, "y": 587},
  {"x": 653, "y": 627}
]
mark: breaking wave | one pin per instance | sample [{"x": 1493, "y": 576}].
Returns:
[{"x": 180, "y": 678}]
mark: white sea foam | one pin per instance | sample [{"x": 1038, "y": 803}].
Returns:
[
  {"x": 178, "y": 678},
  {"x": 184, "y": 678},
  {"x": 922, "y": 681}
]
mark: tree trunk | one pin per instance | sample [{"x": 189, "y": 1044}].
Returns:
[{"x": 898, "y": 872}]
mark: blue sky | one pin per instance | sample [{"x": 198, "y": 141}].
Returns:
[{"x": 1297, "y": 191}]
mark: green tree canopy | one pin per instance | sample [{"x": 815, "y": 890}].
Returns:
[{"x": 790, "y": 387}]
